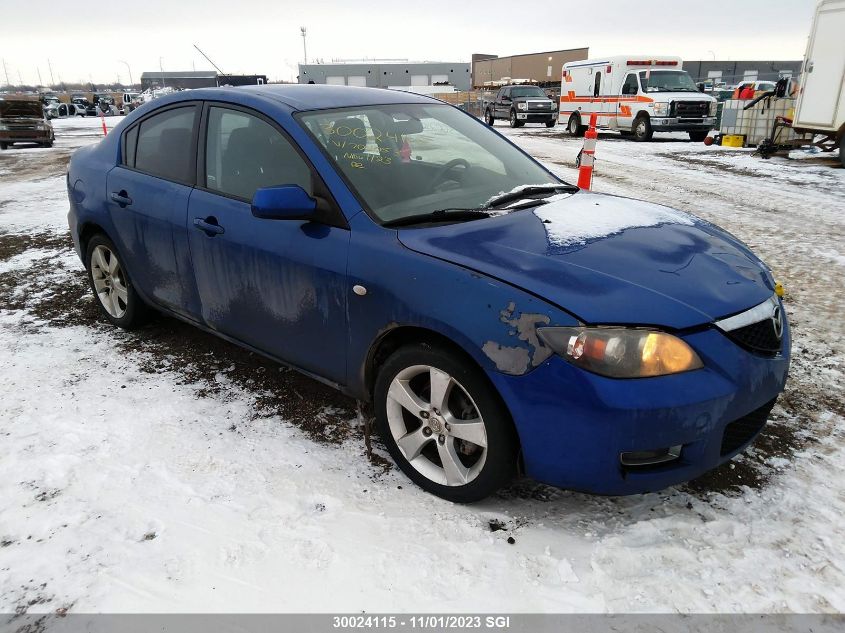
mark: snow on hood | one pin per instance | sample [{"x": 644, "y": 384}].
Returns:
[{"x": 567, "y": 224}]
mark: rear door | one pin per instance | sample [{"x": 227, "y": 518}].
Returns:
[
  {"x": 277, "y": 285},
  {"x": 148, "y": 202}
]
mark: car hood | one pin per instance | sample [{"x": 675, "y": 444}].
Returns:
[{"x": 607, "y": 259}]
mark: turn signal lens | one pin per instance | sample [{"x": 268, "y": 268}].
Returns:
[{"x": 621, "y": 352}]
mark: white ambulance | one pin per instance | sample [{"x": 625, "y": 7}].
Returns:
[{"x": 637, "y": 95}]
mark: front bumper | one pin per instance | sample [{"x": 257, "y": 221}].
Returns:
[
  {"x": 574, "y": 425},
  {"x": 673, "y": 124},
  {"x": 537, "y": 117},
  {"x": 26, "y": 136}
]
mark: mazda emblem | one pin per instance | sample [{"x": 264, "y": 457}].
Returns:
[{"x": 777, "y": 322}]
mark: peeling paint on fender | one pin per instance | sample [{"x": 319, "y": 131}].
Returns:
[{"x": 519, "y": 359}]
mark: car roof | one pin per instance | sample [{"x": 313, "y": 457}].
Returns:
[{"x": 316, "y": 96}]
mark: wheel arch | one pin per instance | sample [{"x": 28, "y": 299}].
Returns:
[
  {"x": 399, "y": 336},
  {"x": 86, "y": 232}
]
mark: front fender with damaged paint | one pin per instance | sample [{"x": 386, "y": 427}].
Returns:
[{"x": 492, "y": 321}]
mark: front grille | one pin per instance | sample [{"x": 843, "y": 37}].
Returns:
[
  {"x": 759, "y": 337},
  {"x": 541, "y": 106},
  {"x": 690, "y": 109},
  {"x": 742, "y": 431}
]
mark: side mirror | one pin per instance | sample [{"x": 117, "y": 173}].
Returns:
[{"x": 284, "y": 202}]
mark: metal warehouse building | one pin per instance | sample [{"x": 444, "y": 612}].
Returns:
[
  {"x": 543, "y": 68},
  {"x": 736, "y": 72},
  {"x": 386, "y": 74}
]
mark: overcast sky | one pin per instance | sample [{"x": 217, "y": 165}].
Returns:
[{"x": 86, "y": 40}]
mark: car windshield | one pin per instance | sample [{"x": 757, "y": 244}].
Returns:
[
  {"x": 412, "y": 159},
  {"x": 20, "y": 109},
  {"x": 527, "y": 91},
  {"x": 667, "y": 81}
]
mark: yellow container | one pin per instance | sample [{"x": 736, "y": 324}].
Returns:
[{"x": 733, "y": 140}]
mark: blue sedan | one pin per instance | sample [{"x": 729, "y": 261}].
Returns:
[{"x": 396, "y": 248}]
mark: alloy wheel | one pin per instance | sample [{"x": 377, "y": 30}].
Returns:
[
  {"x": 436, "y": 425},
  {"x": 109, "y": 281}
]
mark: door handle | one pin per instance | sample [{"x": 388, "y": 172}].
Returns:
[
  {"x": 209, "y": 225},
  {"x": 122, "y": 198}
]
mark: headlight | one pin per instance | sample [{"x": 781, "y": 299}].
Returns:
[
  {"x": 621, "y": 352},
  {"x": 661, "y": 109},
  {"x": 522, "y": 106},
  {"x": 43, "y": 127},
  {"x": 3, "y": 128},
  {"x": 554, "y": 106},
  {"x": 714, "y": 107}
]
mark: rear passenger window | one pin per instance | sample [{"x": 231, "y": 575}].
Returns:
[
  {"x": 164, "y": 144},
  {"x": 129, "y": 142},
  {"x": 244, "y": 153}
]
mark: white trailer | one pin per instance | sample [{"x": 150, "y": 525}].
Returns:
[
  {"x": 635, "y": 94},
  {"x": 821, "y": 100}
]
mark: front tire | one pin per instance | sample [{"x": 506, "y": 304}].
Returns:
[
  {"x": 551, "y": 123},
  {"x": 489, "y": 118},
  {"x": 110, "y": 283},
  {"x": 641, "y": 128},
  {"x": 514, "y": 121},
  {"x": 697, "y": 137},
  {"x": 444, "y": 424}
]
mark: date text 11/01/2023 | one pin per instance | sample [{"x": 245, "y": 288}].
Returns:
[{"x": 433, "y": 622}]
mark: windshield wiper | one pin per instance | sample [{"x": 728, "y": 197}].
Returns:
[
  {"x": 528, "y": 192},
  {"x": 440, "y": 215}
]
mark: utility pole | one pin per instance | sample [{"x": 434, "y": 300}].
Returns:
[
  {"x": 304, "y": 50},
  {"x": 216, "y": 67},
  {"x": 50, "y": 66},
  {"x": 163, "y": 85},
  {"x": 40, "y": 83}
]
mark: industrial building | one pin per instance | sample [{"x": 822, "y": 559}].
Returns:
[
  {"x": 388, "y": 74},
  {"x": 542, "y": 68},
  {"x": 185, "y": 79},
  {"x": 732, "y": 73}
]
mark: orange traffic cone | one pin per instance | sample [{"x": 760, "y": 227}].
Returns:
[{"x": 585, "y": 171}]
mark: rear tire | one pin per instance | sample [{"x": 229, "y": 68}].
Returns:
[
  {"x": 4, "y": 146},
  {"x": 489, "y": 118},
  {"x": 698, "y": 137},
  {"x": 842, "y": 154},
  {"x": 574, "y": 126},
  {"x": 641, "y": 128},
  {"x": 460, "y": 445},
  {"x": 113, "y": 290}
]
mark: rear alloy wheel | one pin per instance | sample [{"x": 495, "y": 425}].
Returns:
[
  {"x": 642, "y": 128},
  {"x": 444, "y": 424},
  {"x": 110, "y": 284}
]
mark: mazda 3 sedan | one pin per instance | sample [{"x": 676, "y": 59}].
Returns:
[{"x": 392, "y": 246}]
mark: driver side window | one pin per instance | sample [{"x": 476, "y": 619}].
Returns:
[{"x": 630, "y": 85}]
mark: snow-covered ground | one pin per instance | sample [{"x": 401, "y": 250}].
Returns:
[{"x": 164, "y": 470}]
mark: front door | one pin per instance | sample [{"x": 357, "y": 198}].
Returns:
[
  {"x": 277, "y": 285},
  {"x": 626, "y": 107}
]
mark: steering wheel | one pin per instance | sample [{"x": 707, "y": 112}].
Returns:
[{"x": 440, "y": 175}]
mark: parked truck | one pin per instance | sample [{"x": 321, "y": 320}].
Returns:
[
  {"x": 820, "y": 108},
  {"x": 521, "y": 104},
  {"x": 637, "y": 95}
]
